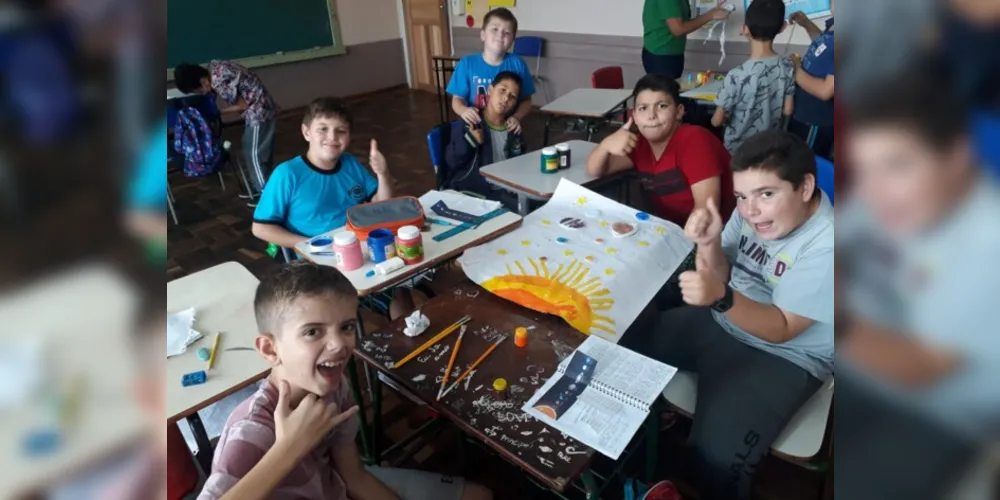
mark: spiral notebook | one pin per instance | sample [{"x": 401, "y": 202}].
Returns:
[{"x": 600, "y": 395}]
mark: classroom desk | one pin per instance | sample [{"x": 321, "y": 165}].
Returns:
[
  {"x": 435, "y": 253},
  {"x": 501, "y": 426},
  {"x": 223, "y": 300},
  {"x": 523, "y": 176},
  {"x": 442, "y": 66},
  {"x": 594, "y": 105},
  {"x": 83, "y": 318}
]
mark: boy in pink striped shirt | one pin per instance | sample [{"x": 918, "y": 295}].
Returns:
[{"x": 294, "y": 438}]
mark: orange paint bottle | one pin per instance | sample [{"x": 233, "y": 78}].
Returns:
[{"x": 521, "y": 337}]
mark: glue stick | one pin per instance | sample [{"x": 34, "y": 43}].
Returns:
[{"x": 521, "y": 337}]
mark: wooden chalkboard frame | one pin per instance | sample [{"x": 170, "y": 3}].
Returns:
[{"x": 336, "y": 49}]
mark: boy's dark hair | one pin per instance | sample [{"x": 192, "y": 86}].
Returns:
[
  {"x": 149, "y": 316},
  {"x": 188, "y": 77},
  {"x": 502, "y": 14},
  {"x": 783, "y": 153},
  {"x": 915, "y": 100},
  {"x": 764, "y": 19},
  {"x": 505, "y": 76},
  {"x": 658, "y": 83},
  {"x": 328, "y": 107},
  {"x": 282, "y": 287}
]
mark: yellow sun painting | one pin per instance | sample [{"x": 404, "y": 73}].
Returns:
[{"x": 569, "y": 292}]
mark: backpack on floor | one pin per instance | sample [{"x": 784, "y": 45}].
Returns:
[{"x": 194, "y": 139}]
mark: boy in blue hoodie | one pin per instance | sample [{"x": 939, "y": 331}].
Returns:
[{"x": 474, "y": 146}]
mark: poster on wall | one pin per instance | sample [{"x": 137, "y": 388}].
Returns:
[
  {"x": 811, "y": 8},
  {"x": 502, "y": 3}
]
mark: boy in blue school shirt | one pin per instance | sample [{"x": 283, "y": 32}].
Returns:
[
  {"x": 814, "y": 92},
  {"x": 473, "y": 75},
  {"x": 310, "y": 194}
]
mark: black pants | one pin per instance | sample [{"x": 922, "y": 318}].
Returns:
[
  {"x": 671, "y": 66},
  {"x": 746, "y": 396},
  {"x": 820, "y": 139}
]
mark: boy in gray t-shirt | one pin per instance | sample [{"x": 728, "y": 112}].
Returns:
[
  {"x": 758, "y": 94},
  {"x": 758, "y": 325}
]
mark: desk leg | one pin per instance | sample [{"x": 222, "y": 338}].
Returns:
[
  {"x": 522, "y": 204},
  {"x": 376, "y": 420},
  {"x": 545, "y": 135},
  {"x": 590, "y": 485},
  {"x": 352, "y": 373},
  {"x": 204, "y": 455}
]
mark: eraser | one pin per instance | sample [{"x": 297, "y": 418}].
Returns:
[{"x": 193, "y": 378}]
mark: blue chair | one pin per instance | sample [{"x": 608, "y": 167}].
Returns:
[
  {"x": 437, "y": 141},
  {"x": 531, "y": 46},
  {"x": 825, "y": 176},
  {"x": 986, "y": 134}
]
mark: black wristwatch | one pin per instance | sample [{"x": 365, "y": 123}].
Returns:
[{"x": 726, "y": 302}]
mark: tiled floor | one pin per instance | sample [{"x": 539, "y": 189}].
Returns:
[{"x": 215, "y": 228}]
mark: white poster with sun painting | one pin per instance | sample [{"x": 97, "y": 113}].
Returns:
[{"x": 590, "y": 260}]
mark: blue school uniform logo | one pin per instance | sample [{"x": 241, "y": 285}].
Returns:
[{"x": 357, "y": 192}]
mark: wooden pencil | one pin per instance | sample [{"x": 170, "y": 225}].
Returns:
[
  {"x": 437, "y": 338},
  {"x": 215, "y": 347},
  {"x": 451, "y": 362},
  {"x": 474, "y": 365}
]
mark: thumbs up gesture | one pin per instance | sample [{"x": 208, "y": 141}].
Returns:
[
  {"x": 622, "y": 142},
  {"x": 704, "y": 225},
  {"x": 701, "y": 287},
  {"x": 377, "y": 160}
]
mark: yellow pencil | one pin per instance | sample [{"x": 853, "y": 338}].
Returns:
[
  {"x": 451, "y": 362},
  {"x": 437, "y": 338},
  {"x": 474, "y": 365},
  {"x": 215, "y": 347}
]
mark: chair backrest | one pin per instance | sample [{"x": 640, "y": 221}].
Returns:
[
  {"x": 825, "y": 176},
  {"x": 608, "y": 77},
  {"x": 437, "y": 140},
  {"x": 986, "y": 131},
  {"x": 530, "y": 46}
]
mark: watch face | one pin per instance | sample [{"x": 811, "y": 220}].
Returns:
[{"x": 725, "y": 303}]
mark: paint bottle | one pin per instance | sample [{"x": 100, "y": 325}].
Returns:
[
  {"x": 320, "y": 244},
  {"x": 500, "y": 389},
  {"x": 347, "y": 251},
  {"x": 381, "y": 245},
  {"x": 564, "y": 155},
  {"x": 550, "y": 160},
  {"x": 521, "y": 337},
  {"x": 410, "y": 244}
]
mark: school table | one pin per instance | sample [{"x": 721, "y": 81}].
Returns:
[
  {"x": 596, "y": 106},
  {"x": 500, "y": 425},
  {"x": 223, "y": 300},
  {"x": 443, "y": 65},
  {"x": 435, "y": 253},
  {"x": 523, "y": 175},
  {"x": 82, "y": 320}
]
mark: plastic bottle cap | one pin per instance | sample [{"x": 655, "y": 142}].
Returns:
[
  {"x": 344, "y": 238},
  {"x": 408, "y": 232},
  {"x": 549, "y": 151},
  {"x": 562, "y": 147},
  {"x": 499, "y": 384},
  {"x": 521, "y": 332}
]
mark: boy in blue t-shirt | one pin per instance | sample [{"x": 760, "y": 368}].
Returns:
[
  {"x": 309, "y": 195},
  {"x": 814, "y": 92},
  {"x": 473, "y": 75}
]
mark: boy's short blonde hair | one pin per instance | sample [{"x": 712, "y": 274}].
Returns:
[
  {"x": 282, "y": 287},
  {"x": 502, "y": 14}
]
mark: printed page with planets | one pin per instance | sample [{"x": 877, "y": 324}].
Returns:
[
  {"x": 600, "y": 395},
  {"x": 592, "y": 261}
]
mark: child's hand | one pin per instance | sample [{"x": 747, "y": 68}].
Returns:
[
  {"x": 704, "y": 225},
  {"x": 701, "y": 287},
  {"x": 514, "y": 125},
  {"x": 300, "y": 429},
  {"x": 377, "y": 160},
  {"x": 719, "y": 13},
  {"x": 477, "y": 134},
  {"x": 799, "y": 17},
  {"x": 622, "y": 142},
  {"x": 470, "y": 115}
]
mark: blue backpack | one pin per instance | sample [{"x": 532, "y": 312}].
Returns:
[{"x": 194, "y": 139}]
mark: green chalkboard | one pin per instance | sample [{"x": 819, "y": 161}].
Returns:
[{"x": 255, "y": 32}]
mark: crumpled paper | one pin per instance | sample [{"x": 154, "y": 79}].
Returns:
[
  {"x": 416, "y": 323},
  {"x": 181, "y": 332}
]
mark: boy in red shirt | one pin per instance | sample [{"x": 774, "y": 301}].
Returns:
[{"x": 681, "y": 166}]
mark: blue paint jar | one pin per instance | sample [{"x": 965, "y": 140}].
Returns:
[{"x": 381, "y": 245}]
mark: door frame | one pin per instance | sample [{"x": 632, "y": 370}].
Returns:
[{"x": 408, "y": 43}]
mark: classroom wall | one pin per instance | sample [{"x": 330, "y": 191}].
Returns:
[{"x": 583, "y": 35}]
